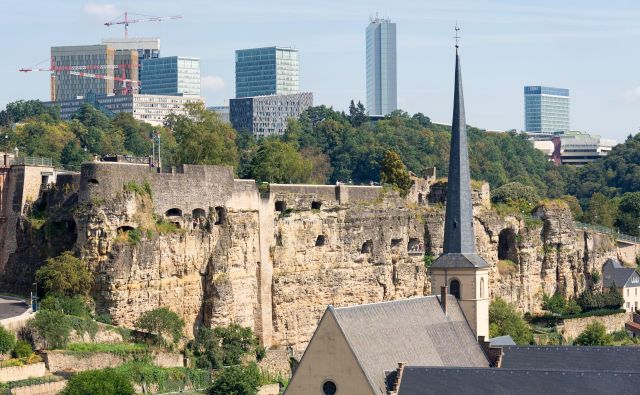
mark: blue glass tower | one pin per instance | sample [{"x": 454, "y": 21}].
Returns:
[
  {"x": 546, "y": 109},
  {"x": 382, "y": 82},
  {"x": 267, "y": 71},
  {"x": 173, "y": 75}
]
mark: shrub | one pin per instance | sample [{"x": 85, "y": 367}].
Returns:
[
  {"x": 7, "y": 341},
  {"x": 52, "y": 326},
  {"x": 612, "y": 299},
  {"x": 75, "y": 305},
  {"x": 595, "y": 276},
  {"x": 595, "y": 334},
  {"x": 515, "y": 193},
  {"x": 135, "y": 235},
  {"x": 505, "y": 320},
  {"x": 236, "y": 341},
  {"x": 237, "y": 380},
  {"x": 99, "y": 382},
  {"x": 22, "y": 349},
  {"x": 161, "y": 322},
  {"x": 65, "y": 275},
  {"x": 105, "y": 318}
]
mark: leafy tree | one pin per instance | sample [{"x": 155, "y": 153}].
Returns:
[
  {"x": 99, "y": 382},
  {"x": 395, "y": 173},
  {"x": 357, "y": 114},
  {"x": 202, "y": 137},
  {"x": 20, "y": 110},
  {"x": 279, "y": 162},
  {"x": 628, "y": 219},
  {"x": 161, "y": 322},
  {"x": 555, "y": 304},
  {"x": 514, "y": 192},
  {"x": 75, "y": 305},
  {"x": 574, "y": 206},
  {"x": 73, "y": 155},
  {"x": 320, "y": 165},
  {"x": 22, "y": 349},
  {"x": 422, "y": 119},
  {"x": 137, "y": 135},
  {"x": 7, "y": 341},
  {"x": 52, "y": 326},
  {"x": 595, "y": 334},
  {"x": 237, "y": 380},
  {"x": 602, "y": 210},
  {"x": 206, "y": 350},
  {"x": 505, "y": 320},
  {"x": 612, "y": 299},
  {"x": 236, "y": 341},
  {"x": 65, "y": 275}
]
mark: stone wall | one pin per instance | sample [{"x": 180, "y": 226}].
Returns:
[
  {"x": 276, "y": 362},
  {"x": 572, "y": 328},
  {"x": 16, "y": 373},
  {"x": 52, "y": 388},
  {"x": 68, "y": 362}
]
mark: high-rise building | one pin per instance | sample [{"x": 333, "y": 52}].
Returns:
[
  {"x": 382, "y": 80},
  {"x": 267, "y": 115},
  {"x": 173, "y": 75},
  {"x": 147, "y": 47},
  {"x": 267, "y": 71},
  {"x": 103, "y": 61},
  {"x": 546, "y": 109}
]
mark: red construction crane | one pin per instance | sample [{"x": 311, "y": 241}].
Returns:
[{"x": 145, "y": 18}]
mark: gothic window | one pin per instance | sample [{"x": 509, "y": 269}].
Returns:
[
  {"x": 481, "y": 287},
  {"x": 454, "y": 288}
]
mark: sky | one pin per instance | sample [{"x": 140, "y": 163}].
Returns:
[{"x": 590, "y": 47}]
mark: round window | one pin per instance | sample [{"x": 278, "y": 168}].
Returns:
[{"x": 329, "y": 388}]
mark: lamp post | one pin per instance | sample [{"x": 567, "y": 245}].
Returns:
[{"x": 34, "y": 298}]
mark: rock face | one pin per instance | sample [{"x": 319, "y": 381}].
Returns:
[{"x": 274, "y": 260}]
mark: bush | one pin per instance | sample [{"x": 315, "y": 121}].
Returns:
[
  {"x": 52, "y": 326},
  {"x": 224, "y": 346},
  {"x": 237, "y": 380},
  {"x": 22, "y": 349},
  {"x": 612, "y": 299},
  {"x": 65, "y": 275},
  {"x": 75, "y": 305},
  {"x": 99, "y": 382},
  {"x": 7, "y": 341},
  {"x": 161, "y": 322},
  {"x": 595, "y": 276},
  {"x": 559, "y": 306},
  {"x": 105, "y": 318},
  {"x": 516, "y": 193},
  {"x": 594, "y": 335},
  {"x": 505, "y": 320}
]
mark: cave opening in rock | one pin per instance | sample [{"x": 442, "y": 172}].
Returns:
[
  {"x": 93, "y": 181},
  {"x": 221, "y": 215},
  {"x": 507, "y": 245},
  {"x": 199, "y": 213},
  {"x": 414, "y": 246},
  {"x": 367, "y": 247},
  {"x": 321, "y": 240},
  {"x": 281, "y": 206},
  {"x": 173, "y": 212},
  {"x": 396, "y": 243},
  {"x": 316, "y": 205}
]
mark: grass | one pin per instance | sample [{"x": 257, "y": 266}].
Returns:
[
  {"x": 113, "y": 348},
  {"x": 506, "y": 267},
  {"x": 31, "y": 359},
  {"x": 144, "y": 189},
  {"x": 31, "y": 381}
]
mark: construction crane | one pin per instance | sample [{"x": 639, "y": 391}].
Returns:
[{"x": 145, "y": 18}]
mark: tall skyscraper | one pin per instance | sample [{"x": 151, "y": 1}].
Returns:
[
  {"x": 267, "y": 71},
  {"x": 382, "y": 80},
  {"x": 546, "y": 109},
  {"x": 172, "y": 75}
]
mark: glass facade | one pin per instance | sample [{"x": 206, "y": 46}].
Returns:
[
  {"x": 267, "y": 71},
  {"x": 546, "y": 109},
  {"x": 173, "y": 75},
  {"x": 381, "y": 67}
]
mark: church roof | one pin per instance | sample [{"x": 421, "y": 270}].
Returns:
[
  {"x": 621, "y": 359},
  {"x": 415, "y": 380},
  {"x": 614, "y": 272},
  {"x": 415, "y": 331}
]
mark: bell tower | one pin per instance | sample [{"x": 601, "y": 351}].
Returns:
[{"x": 460, "y": 268}]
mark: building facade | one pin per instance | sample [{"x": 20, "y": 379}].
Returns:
[
  {"x": 626, "y": 279},
  {"x": 267, "y": 71},
  {"x": 222, "y": 111},
  {"x": 147, "y": 47},
  {"x": 546, "y": 109},
  {"x": 267, "y": 115},
  {"x": 381, "y": 67},
  {"x": 173, "y": 75},
  {"x": 573, "y": 148},
  {"x": 101, "y": 60}
]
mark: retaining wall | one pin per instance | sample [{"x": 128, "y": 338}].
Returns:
[
  {"x": 61, "y": 361},
  {"x": 15, "y": 373},
  {"x": 51, "y": 388},
  {"x": 574, "y": 326}
]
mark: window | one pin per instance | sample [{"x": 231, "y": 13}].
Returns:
[
  {"x": 329, "y": 388},
  {"x": 454, "y": 288},
  {"x": 198, "y": 213},
  {"x": 93, "y": 181},
  {"x": 482, "y": 287}
]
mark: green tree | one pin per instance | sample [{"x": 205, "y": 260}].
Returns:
[
  {"x": 357, "y": 114},
  {"x": 52, "y": 326},
  {"x": 73, "y": 155},
  {"x": 202, "y": 138},
  {"x": 574, "y": 206},
  {"x": 137, "y": 134},
  {"x": 7, "y": 341},
  {"x": 22, "y": 349},
  {"x": 628, "y": 218},
  {"x": 206, "y": 350},
  {"x": 515, "y": 192},
  {"x": 602, "y": 210},
  {"x": 69, "y": 305},
  {"x": 394, "y": 172},
  {"x": 237, "y": 380},
  {"x": 161, "y": 322},
  {"x": 99, "y": 382},
  {"x": 65, "y": 275},
  {"x": 235, "y": 341},
  {"x": 595, "y": 334},
  {"x": 555, "y": 304},
  {"x": 20, "y": 110},
  {"x": 505, "y": 320},
  {"x": 279, "y": 162}
]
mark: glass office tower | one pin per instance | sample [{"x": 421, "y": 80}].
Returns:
[
  {"x": 546, "y": 109},
  {"x": 267, "y": 71},
  {"x": 382, "y": 95},
  {"x": 173, "y": 75}
]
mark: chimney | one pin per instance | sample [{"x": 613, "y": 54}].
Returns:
[
  {"x": 395, "y": 386},
  {"x": 443, "y": 298}
]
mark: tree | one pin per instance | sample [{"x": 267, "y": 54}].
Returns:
[
  {"x": 574, "y": 206},
  {"x": 99, "y": 382},
  {"x": 515, "y": 192},
  {"x": 628, "y": 218},
  {"x": 505, "y": 320},
  {"x": 395, "y": 173},
  {"x": 52, "y": 326},
  {"x": 279, "y": 162},
  {"x": 206, "y": 350},
  {"x": 555, "y": 304},
  {"x": 22, "y": 349},
  {"x": 161, "y": 322},
  {"x": 75, "y": 305},
  {"x": 20, "y": 110},
  {"x": 202, "y": 138},
  {"x": 423, "y": 120},
  {"x": 595, "y": 334},
  {"x": 235, "y": 341},
  {"x": 602, "y": 210},
  {"x": 237, "y": 380},
  {"x": 7, "y": 341},
  {"x": 73, "y": 155},
  {"x": 357, "y": 114},
  {"x": 65, "y": 275}
]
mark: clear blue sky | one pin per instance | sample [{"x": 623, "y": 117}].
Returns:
[{"x": 591, "y": 47}]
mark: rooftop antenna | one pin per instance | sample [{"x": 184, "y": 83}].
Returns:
[{"x": 457, "y": 37}]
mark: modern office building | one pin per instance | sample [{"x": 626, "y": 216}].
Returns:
[
  {"x": 267, "y": 71},
  {"x": 147, "y": 47},
  {"x": 104, "y": 62},
  {"x": 382, "y": 91},
  {"x": 574, "y": 148},
  {"x": 149, "y": 108},
  {"x": 267, "y": 115},
  {"x": 546, "y": 109},
  {"x": 173, "y": 75},
  {"x": 222, "y": 111}
]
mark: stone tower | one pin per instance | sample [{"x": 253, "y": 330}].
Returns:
[{"x": 460, "y": 268}]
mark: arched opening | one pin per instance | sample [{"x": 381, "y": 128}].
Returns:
[
  {"x": 316, "y": 205},
  {"x": 173, "y": 212},
  {"x": 281, "y": 206},
  {"x": 395, "y": 243},
  {"x": 454, "y": 288},
  {"x": 329, "y": 388},
  {"x": 367, "y": 247},
  {"x": 321, "y": 240},
  {"x": 414, "y": 246},
  {"x": 221, "y": 215},
  {"x": 198, "y": 213},
  {"x": 123, "y": 229},
  {"x": 481, "y": 287},
  {"x": 93, "y": 181},
  {"x": 507, "y": 245}
]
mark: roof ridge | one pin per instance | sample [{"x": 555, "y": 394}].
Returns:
[
  {"x": 384, "y": 302},
  {"x": 505, "y": 370}
]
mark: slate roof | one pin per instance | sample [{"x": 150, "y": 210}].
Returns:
[
  {"x": 502, "y": 341},
  {"x": 619, "y": 359},
  {"x": 613, "y": 271},
  {"x": 414, "y": 331},
  {"x": 431, "y": 380}
]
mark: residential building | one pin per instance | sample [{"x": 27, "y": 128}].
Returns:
[
  {"x": 546, "y": 109},
  {"x": 149, "y": 108},
  {"x": 222, "y": 111},
  {"x": 382, "y": 91},
  {"x": 267, "y": 115},
  {"x": 573, "y": 148},
  {"x": 173, "y": 75},
  {"x": 103, "y": 61},
  {"x": 626, "y": 279},
  {"x": 267, "y": 71}
]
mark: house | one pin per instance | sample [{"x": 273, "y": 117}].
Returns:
[{"x": 626, "y": 279}]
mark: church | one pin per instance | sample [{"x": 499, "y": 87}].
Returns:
[{"x": 440, "y": 344}]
